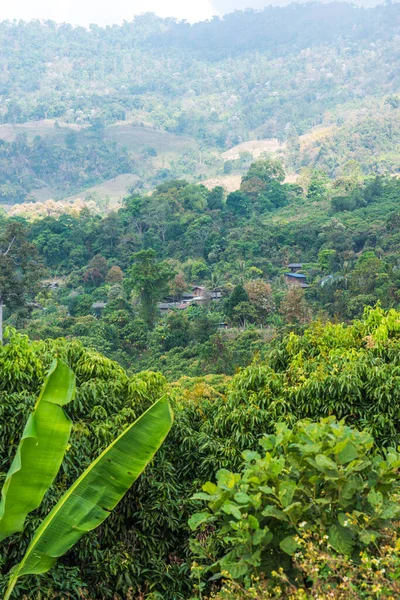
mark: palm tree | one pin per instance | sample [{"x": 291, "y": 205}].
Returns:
[
  {"x": 214, "y": 282},
  {"x": 241, "y": 269}
]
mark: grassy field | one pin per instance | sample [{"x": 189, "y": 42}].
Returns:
[
  {"x": 168, "y": 146},
  {"x": 136, "y": 139}
]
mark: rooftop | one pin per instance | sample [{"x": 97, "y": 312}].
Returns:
[{"x": 296, "y": 275}]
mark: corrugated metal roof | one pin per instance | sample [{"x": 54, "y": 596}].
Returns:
[{"x": 295, "y": 275}]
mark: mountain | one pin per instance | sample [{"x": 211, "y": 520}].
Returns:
[{"x": 328, "y": 72}]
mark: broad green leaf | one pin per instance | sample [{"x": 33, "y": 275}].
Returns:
[
  {"x": 210, "y": 488},
  {"x": 230, "y": 508},
  {"x": 357, "y": 466},
  {"x": 249, "y": 455},
  {"x": 296, "y": 510},
  {"x": 346, "y": 452},
  {"x": 242, "y": 498},
  {"x": 202, "y": 496},
  {"x": 236, "y": 570},
  {"x": 350, "y": 489},
  {"x": 92, "y": 497},
  {"x": 40, "y": 452},
  {"x": 268, "y": 442},
  {"x": 226, "y": 479},
  {"x": 253, "y": 522},
  {"x": 276, "y": 467},
  {"x": 289, "y": 545},
  {"x": 197, "y": 519},
  {"x": 389, "y": 510},
  {"x": 325, "y": 464},
  {"x": 271, "y": 511},
  {"x": 375, "y": 498},
  {"x": 341, "y": 539},
  {"x": 286, "y": 492},
  {"x": 266, "y": 489},
  {"x": 368, "y": 537},
  {"x": 263, "y": 536}
]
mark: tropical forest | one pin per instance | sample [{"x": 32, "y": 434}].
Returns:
[{"x": 200, "y": 306}]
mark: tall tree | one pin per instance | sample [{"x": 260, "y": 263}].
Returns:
[
  {"x": 238, "y": 296},
  {"x": 150, "y": 279},
  {"x": 20, "y": 268}
]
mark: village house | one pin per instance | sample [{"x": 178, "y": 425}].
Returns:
[
  {"x": 296, "y": 280},
  {"x": 199, "y": 291},
  {"x": 199, "y": 295},
  {"x": 216, "y": 294},
  {"x": 295, "y": 267},
  {"x": 167, "y": 306},
  {"x": 206, "y": 294},
  {"x": 52, "y": 284}
]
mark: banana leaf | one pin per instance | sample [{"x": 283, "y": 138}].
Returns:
[
  {"x": 40, "y": 452},
  {"x": 92, "y": 497}
]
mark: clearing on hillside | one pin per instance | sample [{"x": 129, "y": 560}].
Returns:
[
  {"x": 256, "y": 148},
  {"x": 230, "y": 183},
  {"x": 137, "y": 138}
]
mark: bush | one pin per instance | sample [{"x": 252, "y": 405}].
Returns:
[
  {"x": 322, "y": 477},
  {"x": 321, "y": 574}
]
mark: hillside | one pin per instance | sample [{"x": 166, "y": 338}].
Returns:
[{"x": 162, "y": 99}]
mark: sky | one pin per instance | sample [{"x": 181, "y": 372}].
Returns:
[{"x": 104, "y": 12}]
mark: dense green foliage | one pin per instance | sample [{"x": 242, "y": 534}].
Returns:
[
  {"x": 323, "y": 573},
  {"x": 319, "y": 477},
  {"x": 106, "y": 402},
  {"x": 126, "y": 60},
  {"x": 114, "y": 270},
  {"x": 346, "y": 371}
]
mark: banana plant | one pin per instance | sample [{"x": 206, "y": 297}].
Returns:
[
  {"x": 40, "y": 452},
  {"x": 93, "y": 496}
]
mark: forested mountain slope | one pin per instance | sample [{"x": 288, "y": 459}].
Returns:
[{"x": 279, "y": 73}]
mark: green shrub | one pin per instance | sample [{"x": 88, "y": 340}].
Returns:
[
  {"x": 322, "y": 574},
  {"x": 322, "y": 477}
]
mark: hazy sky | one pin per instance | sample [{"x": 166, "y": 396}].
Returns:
[{"x": 103, "y": 12}]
